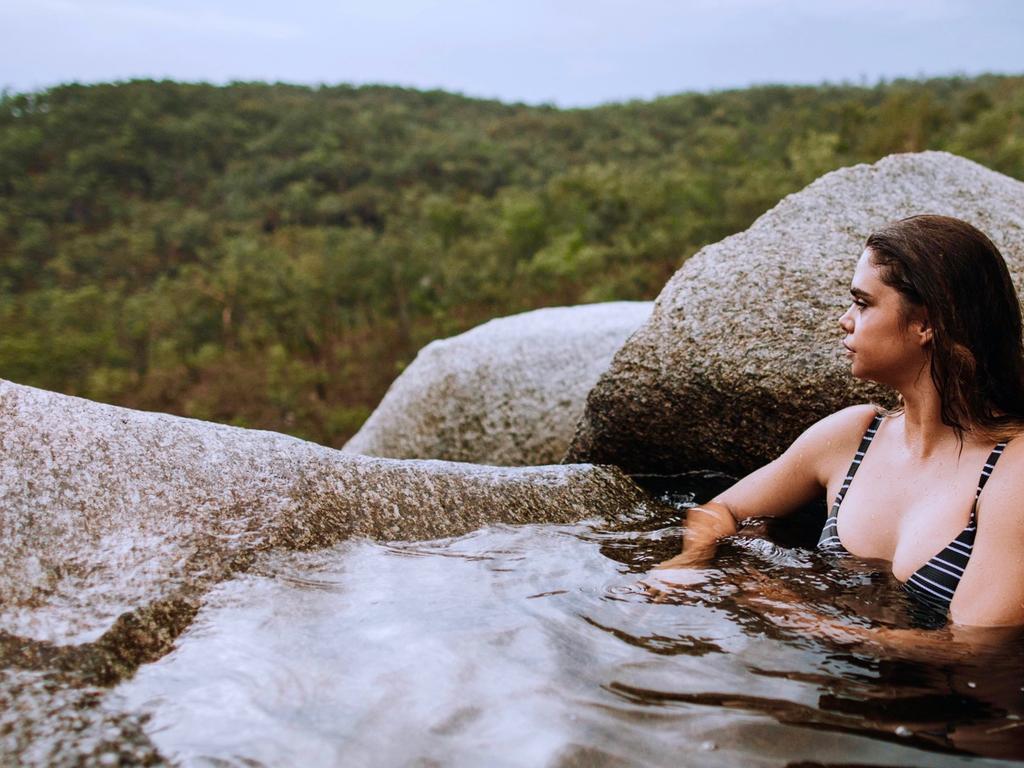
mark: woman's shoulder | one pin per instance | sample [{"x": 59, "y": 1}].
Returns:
[
  {"x": 999, "y": 506},
  {"x": 1006, "y": 482},
  {"x": 845, "y": 426},
  {"x": 829, "y": 444}
]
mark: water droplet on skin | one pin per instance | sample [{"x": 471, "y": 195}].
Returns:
[{"x": 902, "y": 730}]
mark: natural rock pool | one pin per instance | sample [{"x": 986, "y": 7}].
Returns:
[{"x": 540, "y": 645}]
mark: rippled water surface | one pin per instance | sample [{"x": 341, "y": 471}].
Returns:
[{"x": 541, "y": 645}]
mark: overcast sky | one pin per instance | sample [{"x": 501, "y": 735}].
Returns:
[{"x": 567, "y": 52}]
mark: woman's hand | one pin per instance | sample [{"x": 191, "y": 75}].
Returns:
[{"x": 705, "y": 525}]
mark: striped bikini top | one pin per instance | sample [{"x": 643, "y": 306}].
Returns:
[{"x": 934, "y": 582}]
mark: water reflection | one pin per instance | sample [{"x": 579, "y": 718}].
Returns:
[{"x": 537, "y": 645}]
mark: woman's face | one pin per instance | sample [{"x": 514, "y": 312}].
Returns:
[{"x": 881, "y": 344}]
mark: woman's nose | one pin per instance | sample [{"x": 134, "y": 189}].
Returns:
[{"x": 844, "y": 320}]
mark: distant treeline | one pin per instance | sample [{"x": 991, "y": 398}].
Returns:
[{"x": 273, "y": 255}]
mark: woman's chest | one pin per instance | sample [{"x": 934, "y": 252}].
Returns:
[{"x": 905, "y": 514}]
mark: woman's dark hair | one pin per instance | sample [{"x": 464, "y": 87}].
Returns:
[{"x": 954, "y": 272}]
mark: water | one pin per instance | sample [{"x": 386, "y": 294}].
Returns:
[{"x": 543, "y": 645}]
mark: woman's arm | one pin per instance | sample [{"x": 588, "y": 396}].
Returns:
[
  {"x": 780, "y": 605},
  {"x": 795, "y": 478}
]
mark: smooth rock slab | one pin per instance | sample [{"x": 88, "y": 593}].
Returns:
[
  {"x": 742, "y": 351},
  {"x": 508, "y": 392},
  {"x": 105, "y": 510}
]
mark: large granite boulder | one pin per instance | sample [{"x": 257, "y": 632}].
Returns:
[
  {"x": 107, "y": 512},
  {"x": 509, "y": 392},
  {"x": 742, "y": 351}
]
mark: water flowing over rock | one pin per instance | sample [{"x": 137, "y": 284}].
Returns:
[
  {"x": 742, "y": 351},
  {"x": 508, "y": 392},
  {"x": 107, "y": 510},
  {"x": 115, "y": 523}
]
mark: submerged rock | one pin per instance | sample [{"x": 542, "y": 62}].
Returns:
[
  {"x": 742, "y": 351},
  {"x": 46, "y": 722},
  {"x": 508, "y": 392},
  {"x": 106, "y": 510}
]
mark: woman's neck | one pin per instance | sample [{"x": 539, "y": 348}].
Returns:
[{"x": 924, "y": 432}]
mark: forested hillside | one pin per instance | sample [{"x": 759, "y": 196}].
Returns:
[{"x": 272, "y": 255}]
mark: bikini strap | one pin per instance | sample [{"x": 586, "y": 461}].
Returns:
[
  {"x": 858, "y": 457},
  {"x": 990, "y": 464}
]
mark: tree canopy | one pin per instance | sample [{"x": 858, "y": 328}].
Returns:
[{"x": 272, "y": 255}]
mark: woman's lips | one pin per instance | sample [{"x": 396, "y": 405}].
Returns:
[{"x": 848, "y": 350}]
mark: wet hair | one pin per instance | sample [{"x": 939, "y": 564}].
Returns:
[{"x": 956, "y": 274}]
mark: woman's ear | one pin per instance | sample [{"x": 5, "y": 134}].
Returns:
[{"x": 923, "y": 329}]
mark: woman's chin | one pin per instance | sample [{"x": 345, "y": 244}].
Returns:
[
  {"x": 858, "y": 372},
  {"x": 862, "y": 375}
]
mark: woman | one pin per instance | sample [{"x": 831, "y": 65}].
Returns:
[{"x": 935, "y": 486}]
